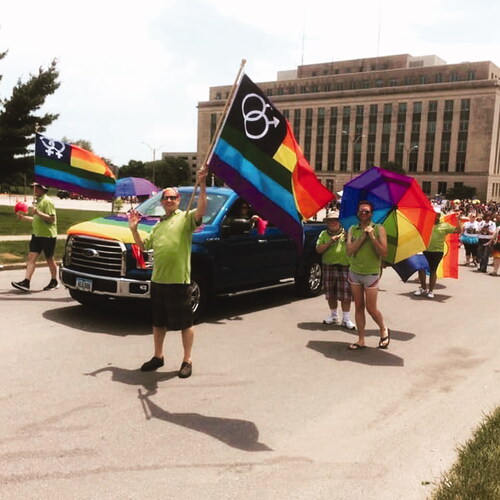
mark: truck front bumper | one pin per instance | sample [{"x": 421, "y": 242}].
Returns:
[{"x": 104, "y": 285}]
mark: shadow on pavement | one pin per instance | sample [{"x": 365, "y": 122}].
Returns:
[
  {"x": 119, "y": 322},
  {"x": 148, "y": 380},
  {"x": 232, "y": 308},
  {"x": 315, "y": 326},
  {"x": 240, "y": 434},
  {"x": 369, "y": 356}
]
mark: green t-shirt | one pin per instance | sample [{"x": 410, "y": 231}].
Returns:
[
  {"x": 439, "y": 232},
  {"x": 39, "y": 226},
  {"x": 337, "y": 252},
  {"x": 366, "y": 260},
  {"x": 171, "y": 241}
]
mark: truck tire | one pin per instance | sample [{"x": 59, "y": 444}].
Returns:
[
  {"x": 309, "y": 284},
  {"x": 88, "y": 299},
  {"x": 199, "y": 295}
]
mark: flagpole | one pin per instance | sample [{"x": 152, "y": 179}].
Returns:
[
  {"x": 37, "y": 128},
  {"x": 218, "y": 129}
]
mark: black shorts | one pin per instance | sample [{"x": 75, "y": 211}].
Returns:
[
  {"x": 171, "y": 306},
  {"x": 39, "y": 244},
  {"x": 433, "y": 258}
]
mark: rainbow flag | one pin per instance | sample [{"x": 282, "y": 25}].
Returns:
[
  {"x": 448, "y": 267},
  {"x": 68, "y": 167},
  {"x": 256, "y": 154}
]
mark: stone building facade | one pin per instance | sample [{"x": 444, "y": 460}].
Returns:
[{"x": 438, "y": 121}]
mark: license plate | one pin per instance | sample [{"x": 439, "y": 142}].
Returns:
[{"x": 84, "y": 284}]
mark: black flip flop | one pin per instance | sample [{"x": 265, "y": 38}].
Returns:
[
  {"x": 382, "y": 343},
  {"x": 356, "y": 347}
]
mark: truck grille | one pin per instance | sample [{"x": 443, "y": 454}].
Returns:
[{"x": 95, "y": 256}]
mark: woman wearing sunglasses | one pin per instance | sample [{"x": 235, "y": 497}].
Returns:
[{"x": 367, "y": 246}]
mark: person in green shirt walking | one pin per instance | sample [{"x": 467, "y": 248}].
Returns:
[
  {"x": 170, "y": 240},
  {"x": 331, "y": 245},
  {"x": 434, "y": 253},
  {"x": 43, "y": 238},
  {"x": 366, "y": 246}
]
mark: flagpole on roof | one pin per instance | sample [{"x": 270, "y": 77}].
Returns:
[{"x": 218, "y": 129}]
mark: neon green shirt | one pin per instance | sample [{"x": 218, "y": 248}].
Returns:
[
  {"x": 439, "y": 232},
  {"x": 39, "y": 226},
  {"x": 366, "y": 260},
  {"x": 337, "y": 252},
  {"x": 171, "y": 241}
]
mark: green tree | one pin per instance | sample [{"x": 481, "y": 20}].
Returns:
[
  {"x": 132, "y": 169},
  {"x": 19, "y": 115},
  {"x": 171, "y": 171},
  {"x": 394, "y": 167},
  {"x": 461, "y": 193}
]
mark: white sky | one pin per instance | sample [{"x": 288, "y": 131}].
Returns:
[{"x": 133, "y": 72}]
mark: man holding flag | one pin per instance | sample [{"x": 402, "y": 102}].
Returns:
[{"x": 171, "y": 280}]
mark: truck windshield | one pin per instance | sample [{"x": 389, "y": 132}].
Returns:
[{"x": 215, "y": 201}]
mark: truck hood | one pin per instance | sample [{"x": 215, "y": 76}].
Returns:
[{"x": 112, "y": 227}]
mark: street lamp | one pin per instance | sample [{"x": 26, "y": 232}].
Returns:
[
  {"x": 153, "y": 150},
  {"x": 354, "y": 141}
]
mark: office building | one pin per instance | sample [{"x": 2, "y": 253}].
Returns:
[{"x": 439, "y": 122}]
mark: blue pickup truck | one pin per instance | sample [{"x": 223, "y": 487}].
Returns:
[{"x": 100, "y": 262}]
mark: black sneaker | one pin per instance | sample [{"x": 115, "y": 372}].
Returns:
[
  {"x": 153, "y": 364},
  {"x": 53, "y": 284},
  {"x": 22, "y": 285},
  {"x": 186, "y": 370}
]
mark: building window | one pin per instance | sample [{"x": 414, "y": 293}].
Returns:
[
  {"x": 433, "y": 106},
  {"x": 439, "y": 78},
  {"x": 454, "y": 77},
  {"x": 442, "y": 187},
  {"x": 464, "y": 104},
  {"x": 443, "y": 166},
  {"x": 393, "y": 82},
  {"x": 417, "y": 107},
  {"x": 387, "y": 109},
  {"x": 448, "y": 105},
  {"x": 373, "y": 109},
  {"x": 296, "y": 124},
  {"x": 460, "y": 167},
  {"x": 471, "y": 75},
  {"x": 421, "y": 80},
  {"x": 426, "y": 187},
  {"x": 428, "y": 165}
]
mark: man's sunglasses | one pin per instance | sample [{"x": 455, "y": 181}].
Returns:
[
  {"x": 170, "y": 198},
  {"x": 364, "y": 212}
]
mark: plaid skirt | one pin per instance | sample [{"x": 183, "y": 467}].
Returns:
[{"x": 336, "y": 283}]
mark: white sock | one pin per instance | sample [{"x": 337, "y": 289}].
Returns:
[
  {"x": 345, "y": 316},
  {"x": 334, "y": 313}
]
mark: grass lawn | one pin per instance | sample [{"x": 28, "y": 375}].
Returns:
[
  {"x": 10, "y": 224},
  {"x": 476, "y": 474},
  {"x": 14, "y": 252}
]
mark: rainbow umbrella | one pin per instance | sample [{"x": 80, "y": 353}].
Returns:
[
  {"x": 399, "y": 205},
  {"x": 134, "y": 186}
]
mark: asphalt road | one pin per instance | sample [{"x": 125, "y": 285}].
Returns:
[{"x": 277, "y": 407}]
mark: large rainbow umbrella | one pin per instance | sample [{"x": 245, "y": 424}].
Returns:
[{"x": 399, "y": 205}]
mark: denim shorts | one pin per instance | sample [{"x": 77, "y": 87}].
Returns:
[{"x": 364, "y": 280}]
